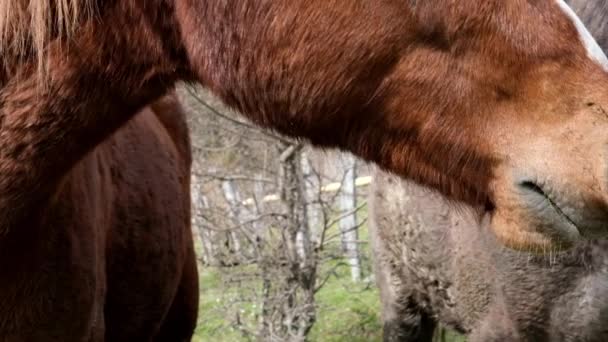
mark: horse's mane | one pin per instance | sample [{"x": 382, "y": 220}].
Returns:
[{"x": 26, "y": 26}]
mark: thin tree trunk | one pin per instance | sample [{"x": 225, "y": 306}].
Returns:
[
  {"x": 300, "y": 309},
  {"x": 234, "y": 201},
  {"x": 200, "y": 205},
  {"x": 312, "y": 190},
  {"x": 204, "y": 234},
  {"x": 348, "y": 224}
]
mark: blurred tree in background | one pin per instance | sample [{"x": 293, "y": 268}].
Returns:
[{"x": 282, "y": 234}]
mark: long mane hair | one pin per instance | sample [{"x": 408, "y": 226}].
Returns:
[{"x": 27, "y": 26}]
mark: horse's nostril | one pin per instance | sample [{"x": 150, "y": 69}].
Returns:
[
  {"x": 489, "y": 206},
  {"x": 559, "y": 209},
  {"x": 543, "y": 205},
  {"x": 531, "y": 186},
  {"x": 534, "y": 192}
]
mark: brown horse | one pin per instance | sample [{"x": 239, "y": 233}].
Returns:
[
  {"x": 108, "y": 253},
  {"x": 498, "y": 103}
]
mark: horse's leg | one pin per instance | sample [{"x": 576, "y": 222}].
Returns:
[
  {"x": 180, "y": 322},
  {"x": 427, "y": 328},
  {"x": 402, "y": 318},
  {"x": 408, "y": 324},
  {"x": 496, "y": 326}
]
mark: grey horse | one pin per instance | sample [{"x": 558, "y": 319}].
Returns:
[{"x": 436, "y": 262}]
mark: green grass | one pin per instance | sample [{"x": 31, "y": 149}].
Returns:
[
  {"x": 213, "y": 325},
  {"x": 346, "y": 311}
]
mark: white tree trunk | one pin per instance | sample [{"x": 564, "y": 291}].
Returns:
[
  {"x": 348, "y": 223},
  {"x": 312, "y": 190},
  {"x": 234, "y": 201},
  {"x": 199, "y": 206}
]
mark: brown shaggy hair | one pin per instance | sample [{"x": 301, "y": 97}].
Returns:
[{"x": 26, "y": 26}]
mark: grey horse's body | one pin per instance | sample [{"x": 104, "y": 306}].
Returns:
[{"x": 435, "y": 262}]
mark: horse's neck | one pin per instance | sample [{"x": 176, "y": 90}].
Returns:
[{"x": 351, "y": 75}]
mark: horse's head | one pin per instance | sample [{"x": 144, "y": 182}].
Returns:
[
  {"x": 547, "y": 126},
  {"x": 507, "y": 102}
]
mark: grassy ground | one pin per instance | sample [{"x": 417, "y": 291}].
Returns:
[{"x": 346, "y": 311}]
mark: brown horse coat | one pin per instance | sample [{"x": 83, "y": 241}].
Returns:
[
  {"x": 110, "y": 252},
  {"x": 498, "y": 103}
]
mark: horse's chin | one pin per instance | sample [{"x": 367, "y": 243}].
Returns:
[
  {"x": 532, "y": 241},
  {"x": 535, "y": 221},
  {"x": 538, "y": 212}
]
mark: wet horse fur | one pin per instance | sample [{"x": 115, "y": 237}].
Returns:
[
  {"x": 109, "y": 254},
  {"x": 435, "y": 263}
]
